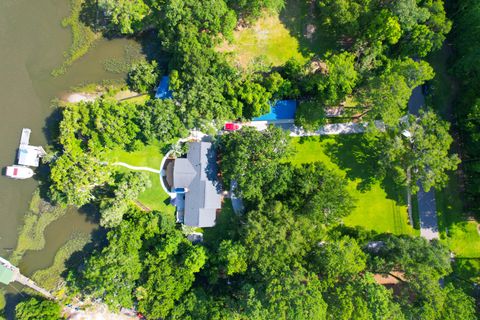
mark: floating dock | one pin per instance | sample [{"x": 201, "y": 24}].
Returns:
[{"x": 29, "y": 155}]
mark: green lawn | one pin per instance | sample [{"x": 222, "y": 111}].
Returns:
[
  {"x": 379, "y": 206},
  {"x": 459, "y": 233},
  {"x": 149, "y": 156},
  {"x": 267, "y": 38},
  {"x": 226, "y": 226},
  {"x": 456, "y": 229}
]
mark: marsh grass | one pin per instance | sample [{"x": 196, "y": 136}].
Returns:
[
  {"x": 83, "y": 37},
  {"x": 31, "y": 235},
  {"x": 51, "y": 278}
]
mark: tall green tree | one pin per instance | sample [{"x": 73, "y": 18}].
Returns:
[
  {"x": 169, "y": 271},
  {"x": 339, "y": 80},
  {"x": 251, "y": 158},
  {"x": 34, "y": 309},
  {"x": 125, "y": 15},
  {"x": 361, "y": 298},
  {"x": 127, "y": 188},
  {"x": 251, "y": 9},
  {"x": 386, "y": 96},
  {"x": 285, "y": 239},
  {"x": 143, "y": 76},
  {"x": 111, "y": 273},
  {"x": 318, "y": 193},
  {"x": 74, "y": 178},
  {"x": 418, "y": 150}
]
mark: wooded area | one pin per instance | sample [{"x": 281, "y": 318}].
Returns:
[{"x": 288, "y": 256}]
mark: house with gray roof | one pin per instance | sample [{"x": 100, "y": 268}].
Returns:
[{"x": 196, "y": 185}]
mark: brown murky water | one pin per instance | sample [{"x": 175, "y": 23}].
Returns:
[{"x": 32, "y": 43}]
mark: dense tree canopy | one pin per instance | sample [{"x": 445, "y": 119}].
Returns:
[
  {"x": 124, "y": 15},
  {"x": 251, "y": 158},
  {"x": 125, "y": 189},
  {"x": 466, "y": 34},
  {"x": 89, "y": 129},
  {"x": 286, "y": 256},
  {"x": 146, "y": 260},
  {"x": 420, "y": 147},
  {"x": 143, "y": 76},
  {"x": 34, "y": 309}
]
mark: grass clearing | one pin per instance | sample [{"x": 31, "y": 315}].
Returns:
[
  {"x": 226, "y": 226},
  {"x": 267, "y": 39},
  {"x": 457, "y": 231},
  {"x": 379, "y": 207},
  {"x": 51, "y": 277},
  {"x": 31, "y": 235},
  {"x": 150, "y": 156}
]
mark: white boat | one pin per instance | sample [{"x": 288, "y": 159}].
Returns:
[{"x": 19, "y": 172}]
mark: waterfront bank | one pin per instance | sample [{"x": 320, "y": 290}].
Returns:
[{"x": 34, "y": 44}]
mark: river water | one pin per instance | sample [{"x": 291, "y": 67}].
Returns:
[{"x": 32, "y": 43}]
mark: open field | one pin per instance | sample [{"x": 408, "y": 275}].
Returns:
[
  {"x": 267, "y": 39},
  {"x": 379, "y": 206},
  {"x": 274, "y": 39},
  {"x": 149, "y": 156}
]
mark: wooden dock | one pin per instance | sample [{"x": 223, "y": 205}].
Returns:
[
  {"x": 25, "y": 139},
  {"x": 28, "y": 155},
  {"x": 12, "y": 274}
]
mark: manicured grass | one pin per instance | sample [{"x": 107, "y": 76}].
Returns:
[
  {"x": 155, "y": 197},
  {"x": 457, "y": 231},
  {"x": 149, "y": 156},
  {"x": 267, "y": 38},
  {"x": 379, "y": 206}
]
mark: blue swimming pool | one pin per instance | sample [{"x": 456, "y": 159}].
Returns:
[{"x": 281, "y": 110}]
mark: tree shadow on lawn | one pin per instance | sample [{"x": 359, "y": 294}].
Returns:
[
  {"x": 297, "y": 16},
  {"x": 466, "y": 275},
  {"x": 226, "y": 227},
  {"x": 352, "y": 155}
]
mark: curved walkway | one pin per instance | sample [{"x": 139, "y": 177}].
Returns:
[{"x": 126, "y": 165}]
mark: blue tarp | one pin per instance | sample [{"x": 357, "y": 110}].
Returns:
[
  {"x": 162, "y": 91},
  {"x": 281, "y": 110}
]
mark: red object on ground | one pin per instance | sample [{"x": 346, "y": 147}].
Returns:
[
  {"x": 231, "y": 126},
  {"x": 15, "y": 172}
]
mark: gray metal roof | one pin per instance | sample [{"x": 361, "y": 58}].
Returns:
[{"x": 198, "y": 173}]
